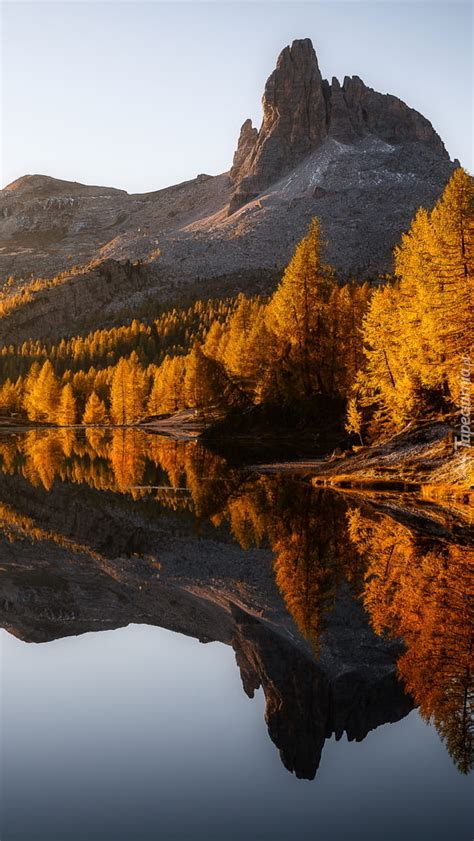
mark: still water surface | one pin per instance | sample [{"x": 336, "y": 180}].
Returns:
[{"x": 183, "y": 641}]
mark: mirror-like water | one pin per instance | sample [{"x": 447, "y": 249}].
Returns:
[
  {"x": 141, "y": 733},
  {"x": 334, "y": 697}
]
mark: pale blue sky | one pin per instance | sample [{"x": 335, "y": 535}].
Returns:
[{"x": 142, "y": 95}]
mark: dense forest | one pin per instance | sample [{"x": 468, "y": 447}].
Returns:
[{"x": 386, "y": 354}]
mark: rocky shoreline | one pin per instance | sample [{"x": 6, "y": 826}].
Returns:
[{"x": 425, "y": 455}]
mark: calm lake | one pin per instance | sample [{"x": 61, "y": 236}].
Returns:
[{"x": 193, "y": 650}]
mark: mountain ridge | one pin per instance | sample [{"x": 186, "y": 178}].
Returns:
[{"x": 361, "y": 161}]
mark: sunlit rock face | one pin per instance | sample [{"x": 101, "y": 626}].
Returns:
[
  {"x": 301, "y": 110},
  {"x": 294, "y": 122}
]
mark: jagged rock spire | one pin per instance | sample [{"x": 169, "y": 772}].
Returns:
[
  {"x": 300, "y": 110},
  {"x": 294, "y": 121}
]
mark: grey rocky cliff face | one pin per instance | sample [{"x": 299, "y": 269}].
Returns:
[
  {"x": 301, "y": 110},
  {"x": 246, "y": 143},
  {"x": 294, "y": 122}
]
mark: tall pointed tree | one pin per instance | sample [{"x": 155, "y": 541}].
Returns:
[
  {"x": 67, "y": 411},
  {"x": 297, "y": 312}
]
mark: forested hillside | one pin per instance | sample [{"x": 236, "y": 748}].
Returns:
[{"x": 388, "y": 354}]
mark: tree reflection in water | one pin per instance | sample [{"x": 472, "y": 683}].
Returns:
[{"x": 413, "y": 585}]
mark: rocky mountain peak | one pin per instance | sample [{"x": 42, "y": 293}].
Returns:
[
  {"x": 294, "y": 110},
  {"x": 301, "y": 110},
  {"x": 362, "y": 162},
  {"x": 294, "y": 122}
]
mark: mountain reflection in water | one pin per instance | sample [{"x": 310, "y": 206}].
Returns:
[{"x": 346, "y": 610}]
